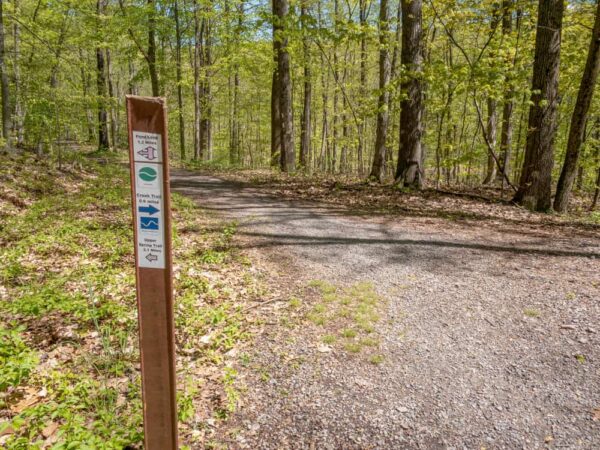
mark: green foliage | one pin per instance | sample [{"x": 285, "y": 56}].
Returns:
[{"x": 17, "y": 360}]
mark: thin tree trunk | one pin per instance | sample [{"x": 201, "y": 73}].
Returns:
[
  {"x": 506, "y": 136},
  {"x": 198, "y": 155},
  {"x": 491, "y": 131},
  {"x": 4, "y": 84},
  {"x": 152, "y": 49},
  {"x": 19, "y": 114},
  {"x": 103, "y": 143},
  {"x": 363, "y": 83},
  {"x": 410, "y": 171},
  {"x": 378, "y": 167},
  {"x": 305, "y": 125},
  {"x": 276, "y": 131},
  {"x": 492, "y": 121},
  {"x": 114, "y": 122},
  {"x": 578, "y": 120},
  {"x": 179, "y": 82}
]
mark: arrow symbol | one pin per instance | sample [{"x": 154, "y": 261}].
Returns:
[
  {"x": 149, "y": 153},
  {"x": 151, "y": 257},
  {"x": 148, "y": 209}
]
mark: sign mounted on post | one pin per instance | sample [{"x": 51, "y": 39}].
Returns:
[{"x": 149, "y": 167}]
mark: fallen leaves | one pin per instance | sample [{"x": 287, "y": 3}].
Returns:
[{"x": 596, "y": 415}]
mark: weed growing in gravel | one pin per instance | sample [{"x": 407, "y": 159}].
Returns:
[
  {"x": 352, "y": 311},
  {"x": 530, "y": 312}
]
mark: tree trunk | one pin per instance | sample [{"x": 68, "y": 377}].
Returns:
[
  {"x": 152, "y": 50},
  {"x": 491, "y": 132},
  {"x": 578, "y": 120},
  {"x": 410, "y": 171},
  {"x": 507, "y": 111},
  {"x": 276, "y": 130},
  {"x": 492, "y": 121},
  {"x": 363, "y": 82},
  {"x": 197, "y": 109},
  {"x": 179, "y": 82},
  {"x": 103, "y": 143},
  {"x": 305, "y": 125},
  {"x": 378, "y": 168},
  {"x": 4, "y": 85},
  {"x": 205, "y": 85},
  {"x": 535, "y": 184},
  {"x": 288, "y": 158},
  {"x": 114, "y": 121},
  {"x": 19, "y": 114}
]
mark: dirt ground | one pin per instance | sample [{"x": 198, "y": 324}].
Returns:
[{"x": 488, "y": 334}]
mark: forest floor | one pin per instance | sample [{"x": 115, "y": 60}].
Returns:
[{"x": 438, "y": 322}]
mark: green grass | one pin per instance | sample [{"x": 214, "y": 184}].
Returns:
[{"x": 353, "y": 311}]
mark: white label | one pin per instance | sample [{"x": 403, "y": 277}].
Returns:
[
  {"x": 150, "y": 215},
  {"x": 147, "y": 147}
]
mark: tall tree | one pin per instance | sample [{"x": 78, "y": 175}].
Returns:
[
  {"x": 276, "y": 130},
  {"x": 18, "y": 117},
  {"x": 4, "y": 83},
  {"x": 410, "y": 171},
  {"x": 507, "y": 110},
  {"x": 151, "y": 53},
  {"x": 305, "y": 123},
  {"x": 536, "y": 176},
  {"x": 288, "y": 157},
  {"x": 103, "y": 142},
  {"x": 378, "y": 167},
  {"x": 179, "y": 81},
  {"x": 579, "y": 118}
]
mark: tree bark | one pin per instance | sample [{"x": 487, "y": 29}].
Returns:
[
  {"x": 288, "y": 158},
  {"x": 19, "y": 114},
  {"x": 536, "y": 176},
  {"x": 114, "y": 121},
  {"x": 276, "y": 130},
  {"x": 506, "y": 136},
  {"x": 378, "y": 167},
  {"x": 103, "y": 143},
  {"x": 198, "y": 155},
  {"x": 152, "y": 49},
  {"x": 491, "y": 132},
  {"x": 179, "y": 81},
  {"x": 410, "y": 171},
  {"x": 5, "y": 91},
  {"x": 578, "y": 119},
  {"x": 305, "y": 124},
  {"x": 363, "y": 83}
]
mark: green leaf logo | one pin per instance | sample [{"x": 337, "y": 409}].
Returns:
[{"x": 148, "y": 174}]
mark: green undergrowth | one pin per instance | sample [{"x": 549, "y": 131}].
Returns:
[
  {"x": 69, "y": 362},
  {"x": 348, "y": 316}
]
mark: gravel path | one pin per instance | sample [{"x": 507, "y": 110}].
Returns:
[{"x": 490, "y": 339}]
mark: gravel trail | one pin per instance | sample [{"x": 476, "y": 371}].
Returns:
[{"x": 490, "y": 338}]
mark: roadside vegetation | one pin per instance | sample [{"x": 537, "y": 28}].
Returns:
[{"x": 69, "y": 360}]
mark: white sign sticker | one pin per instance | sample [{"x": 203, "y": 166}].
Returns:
[
  {"x": 147, "y": 147},
  {"x": 149, "y": 204}
]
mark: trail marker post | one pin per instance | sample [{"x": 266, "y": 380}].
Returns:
[{"x": 149, "y": 163}]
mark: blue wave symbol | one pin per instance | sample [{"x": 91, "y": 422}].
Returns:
[{"x": 149, "y": 223}]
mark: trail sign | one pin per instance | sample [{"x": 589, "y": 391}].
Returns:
[{"x": 149, "y": 167}]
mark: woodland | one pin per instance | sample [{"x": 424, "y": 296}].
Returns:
[
  {"x": 384, "y": 222},
  {"x": 417, "y": 93}
]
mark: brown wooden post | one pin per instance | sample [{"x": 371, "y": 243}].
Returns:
[{"x": 149, "y": 162}]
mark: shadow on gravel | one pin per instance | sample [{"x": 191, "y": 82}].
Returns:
[{"x": 285, "y": 239}]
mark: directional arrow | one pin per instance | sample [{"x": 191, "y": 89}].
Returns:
[
  {"x": 151, "y": 257},
  {"x": 149, "y": 153},
  {"x": 148, "y": 209}
]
